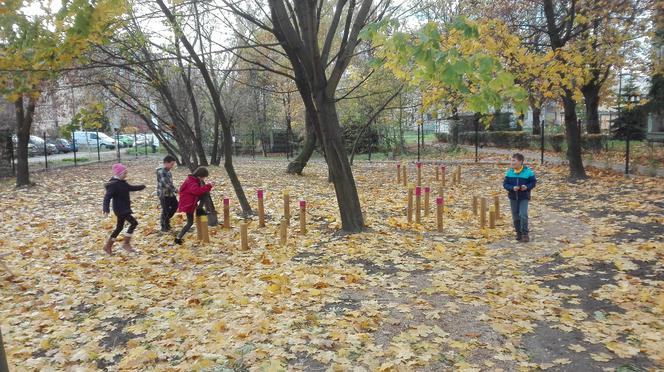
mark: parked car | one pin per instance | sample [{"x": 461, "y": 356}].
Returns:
[
  {"x": 62, "y": 145},
  {"x": 89, "y": 139},
  {"x": 33, "y": 150},
  {"x": 38, "y": 142},
  {"x": 150, "y": 139},
  {"x": 126, "y": 140}
]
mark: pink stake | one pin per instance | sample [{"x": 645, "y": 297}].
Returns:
[
  {"x": 418, "y": 191},
  {"x": 439, "y": 201},
  {"x": 227, "y": 201},
  {"x": 427, "y": 189},
  {"x": 260, "y": 193},
  {"x": 419, "y": 164},
  {"x": 303, "y": 204}
]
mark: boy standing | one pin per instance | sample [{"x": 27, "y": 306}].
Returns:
[
  {"x": 519, "y": 180},
  {"x": 166, "y": 193}
]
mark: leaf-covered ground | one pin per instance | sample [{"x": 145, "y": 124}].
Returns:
[{"x": 587, "y": 294}]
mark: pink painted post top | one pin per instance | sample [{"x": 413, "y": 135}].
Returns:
[
  {"x": 427, "y": 189},
  {"x": 419, "y": 164},
  {"x": 398, "y": 165},
  {"x": 418, "y": 191},
  {"x": 260, "y": 193},
  {"x": 439, "y": 201},
  {"x": 303, "y": 204},
  {"x": 227, "y": 201}
]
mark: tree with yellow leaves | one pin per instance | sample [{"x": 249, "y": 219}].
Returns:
[{"x": 35, "y": 49}]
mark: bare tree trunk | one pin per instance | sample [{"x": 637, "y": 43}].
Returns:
[
  {"x": 23, "y": 125},
  {"x": 537, "y": 113},
  {"x": 297, "y": 165},
  {"x": 591, "y": 99},
  {"x": 573, "y": 138}
]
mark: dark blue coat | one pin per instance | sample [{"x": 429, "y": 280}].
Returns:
[
  {"x": 525, "y": 177},
  {"x": 118, "y": 190}
]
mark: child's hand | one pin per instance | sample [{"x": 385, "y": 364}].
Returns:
[
  {"x": 524, "y": 187},
  {"x": 105, "y": 213},
  {"x": 515, "y": 188}
]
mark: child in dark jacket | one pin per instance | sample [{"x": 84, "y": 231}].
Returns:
[
  {"x": 118, "y": 190},
  {"x": 519, "y": 180},
  {"x": 190, "y": 191}
]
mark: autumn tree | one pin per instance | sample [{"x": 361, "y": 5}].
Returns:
[{"x": 36, "y": 48}]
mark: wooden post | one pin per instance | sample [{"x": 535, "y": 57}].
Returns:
[
  {"x": 199, "y": 229},
  {"x": 410, "y": 203},
  {"x": 439, "y": 213},
  {"x": 482, "y": 212},
  {"x": 437, "y": 174},
  {"x": 303, "y": 217},
  {"x": 4, "y": 365},
  {"x": 227, "y": 213},
  {"x": 475, "y": 205},
  {"x": 442, "y": 175},
  {"x": 261, "y": 208},
  {"x": 244, "y": 236},
  {"x": 496, "y": 206},
  {"x": 458, "y": 180},
  {"x": 405, "y": 174},
  {"x": 283, "y": 233},
  {"x": 419, "y": 173},
  {"x": 492, "y": 218},
  {"x": 398, "y": 173},
  {"x": 418, "y": 204},
  {"x": 205, "y": 234},
  {"x": 427, "y": 191},
  {"x": 287, "y": 215}
]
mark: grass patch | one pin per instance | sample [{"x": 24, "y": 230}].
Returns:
[{"x": 78, "y": 160}]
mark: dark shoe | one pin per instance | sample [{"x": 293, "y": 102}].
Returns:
[
  {"x": 525, "y": 239},
  {"x": 178, "y": 241},
  {"x": 165, "y": 229},
  {"x": 519, "y": 238},
  {"x": 108, "y": 246}
]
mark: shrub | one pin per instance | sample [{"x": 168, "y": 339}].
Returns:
[
  {"x": 556, "y": 141},
  {"x": 593, "y": 142},
  {"x": 442, "y": 137}
]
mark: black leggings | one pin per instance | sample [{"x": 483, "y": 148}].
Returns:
[
  {"x": 121, "y": 221},
  {"x": 190, "y": 223}
]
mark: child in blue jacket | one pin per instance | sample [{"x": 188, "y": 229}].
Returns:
[{"x": 519, "y": 180}]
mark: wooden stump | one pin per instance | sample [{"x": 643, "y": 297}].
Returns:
[
  {"x": 287, "y": 215},
  {"x": 475, "y": 202},
  {"x": 439, "y": 213},
  {"x": 409, "y": 210},
  {"x": 398, "y": 173},
  {"x": 303, "y": 217},
  {"x": 427, "y": 192},
  {"x": 496, "y": 206},
  {"x": 283, "y": 233},
  {"x": 205, "y": 234},
  {"x": 227, "y": 213},
  {"x": 244, "y": 236},
  {"x": 482, "y": 212},
  {"x": 418, "y": 204}
]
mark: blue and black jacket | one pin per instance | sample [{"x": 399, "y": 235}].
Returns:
[{"x": 525, "y": 177}]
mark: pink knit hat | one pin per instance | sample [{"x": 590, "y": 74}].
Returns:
[{"x": 118, "y": 169}]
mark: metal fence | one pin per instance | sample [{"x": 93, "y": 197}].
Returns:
[{"x": 83, "y": 147}]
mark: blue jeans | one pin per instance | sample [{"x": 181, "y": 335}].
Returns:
[{"x": 520, "y": 216}]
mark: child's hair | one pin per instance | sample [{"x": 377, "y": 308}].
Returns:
[
  {"x": 200, "y": 172},
  {"x": 518, "y": 157},
  {"x": 169, "y": 159}
]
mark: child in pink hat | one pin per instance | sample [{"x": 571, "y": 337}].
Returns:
[{"x": 117, "y": 189}]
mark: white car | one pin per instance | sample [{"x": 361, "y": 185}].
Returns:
[{"x": 89, "y": 139}]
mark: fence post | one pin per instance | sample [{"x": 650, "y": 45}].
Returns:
[
  {"x": 145, "y": 143},
  {"x": 117, "y": 140},
  {"x": 45, "y": 152},
  {"x": 4, "y": 366},
  {"x": 98, "y": 153},
  {"x": 542, "y": 144},
  {"x": 11, "y": 153},
  {"x": 73, "y": 146},
  {"x": 477, "y": 139},
  {"x": 136, "y": 145}
]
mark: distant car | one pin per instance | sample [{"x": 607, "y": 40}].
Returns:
[
  {"x": 41, "y": 146},
  {"x": 62, "y": 145},
  {"x": 126, "y": 140},
  {"x": 90, "y": 139},
  {"x": 32, "y": 149}
]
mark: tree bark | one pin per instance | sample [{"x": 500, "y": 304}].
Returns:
[
  {"x": 573, "y": 138},
  {"x": 537, "y": 113},
  {"x": 24, "y": 118},
  {"x": 297, "y": 165},
  {"x": 216, "y": 101},
  {"x": 591, "y": 99}
]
